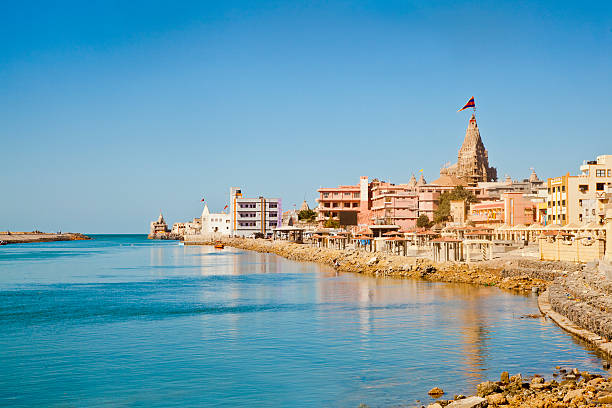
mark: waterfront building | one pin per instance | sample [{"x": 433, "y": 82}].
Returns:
[
  {"x": 348, "y": 201},
  {"x": 159, "y": 227},
  {"x": 394, "y": 204},
  {"x": 250, "y": 216},
  {"x": 214, "y": 223},
  {"x": 472, "y": 164},
  {"x": 581, "y": 199}
]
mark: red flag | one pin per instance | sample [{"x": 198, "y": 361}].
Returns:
[
  {"x": 469, "y": 104},
  {"x": 202, "y": 199},
  {"x": 225, "y": 207}
]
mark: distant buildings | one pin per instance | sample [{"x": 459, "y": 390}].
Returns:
[
  {"x": 250, "y": 216},
  {"x": 215, "y": 223},
  {"x": 159, "y": 228}
]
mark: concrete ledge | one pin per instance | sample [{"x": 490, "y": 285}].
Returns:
[{"x": 566, "y": 324}]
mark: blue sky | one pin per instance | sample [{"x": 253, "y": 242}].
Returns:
[{"x": 113, "y": 110}]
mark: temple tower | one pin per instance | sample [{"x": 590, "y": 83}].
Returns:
[{"x": 473, "y": 159}]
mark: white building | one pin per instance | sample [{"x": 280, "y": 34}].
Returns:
[
  {"x": 215, "y": 222},
  {"x": 252, "y": 216}
]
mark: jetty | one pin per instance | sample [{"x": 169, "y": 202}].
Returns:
[{"x": 10, "y": 237}]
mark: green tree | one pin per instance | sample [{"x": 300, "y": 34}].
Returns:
[
  {"x": 307, "y": 215},
  {"x": 423, "y": 221},
  {"x": 442, "y": 214},
  {"x": 331, "y": 223}
]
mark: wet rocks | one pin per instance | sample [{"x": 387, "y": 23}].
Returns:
[{"x": 436, "y": 392}]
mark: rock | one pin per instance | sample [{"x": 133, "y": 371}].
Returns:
[
  {"x": 596, "y": 381},
  {"x": 436, "y": 391},
  {"x": 372, "y": 261},
  {"x": 572, "y": 395},
  {"x": 576, "y": 372},
  {"x": 469, "y": 402},
  {"x": 537, "y": 380},
  {"x": 505, "y": 377},
  {"x": 606, "y": 399},
  {"x": 458, "y": 397},
  {"x": 606, "y": 365},
  {"x": 497, "y": 399},
  {"x": 486, "y": 388},
  {"x": 434, "y": 405}
]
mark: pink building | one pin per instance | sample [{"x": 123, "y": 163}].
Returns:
[
  {"x": 348, "y": 199},
  {"x": 394, "y": 204}
]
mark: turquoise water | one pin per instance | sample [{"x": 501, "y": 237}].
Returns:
[{"x": 124, "y": 321}]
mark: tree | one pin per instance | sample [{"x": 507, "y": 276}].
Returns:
[
  {"x": 307, "y": 215},
  {"x": 331, "y": 223},
  {"x": 442, "y": 214},
  {"x": 423, "y": 221}
]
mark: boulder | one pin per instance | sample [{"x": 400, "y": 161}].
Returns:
[
  {"x": 572, "y": 395},
  {"x": 486, "y": 388},
  {"x": 372, "y": 261},
  {"x": 469, "y": 402},
  {"x": 505, "y": 377},
  {"x": 605, "y": 399},
  {"x": 436, "y": 391},
  {"x": 497, "y": 399},
  {"x": 434, "y": 405}
]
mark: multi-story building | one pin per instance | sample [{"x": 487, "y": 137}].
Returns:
[
  {"x": 512, "y": 209},
  {"x": 351, "y": 200},
  {"x": 250, "y": 216},
  {"x": 581, "y": 199},
  {"x": 394, "y": 204}
]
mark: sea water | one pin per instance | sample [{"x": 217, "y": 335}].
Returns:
[{"x": 124, "y": 321}]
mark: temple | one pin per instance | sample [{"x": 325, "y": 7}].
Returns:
[{"x": 472, "y": 164}]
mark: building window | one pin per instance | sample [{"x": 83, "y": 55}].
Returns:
[
  {"x": 272, "y": 205},
  {"x": 583, "y": 187},
  {"x": 335, "y": 205},
  {"x": 563, "y": 217},
  {"x": 355, "y": 205},
  {"x": 325, "y": 195},
  {"x": 326, "y": 205},
  {"x": 347, "y": 194},
  {"x": 580, "y": 203},
  {"x": 600, "y": 173},
  {"x": 347, "y": 205},
  {"x": 563, "y": 203},
  {"x": 336, "y": 194},
  {"x": 562, "y": 188},
  {"x": 609, "y": 173},
  {"x": 600, "y": 186},
  {"x": 272, "y": 215},
  {"x": 356, "y": 195}
]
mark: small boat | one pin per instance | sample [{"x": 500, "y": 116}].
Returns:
[{"x": 219, "y": 245}]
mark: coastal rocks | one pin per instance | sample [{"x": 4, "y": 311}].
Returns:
[
  {"x": 497, "y": 399},
  {"x": 486, "y": 388},
  {"x": 469, "y": 402},
  {"x": 505, "y": 377},
  {"x": 372, "y": 261},
  {"x": 436, "y": 392}
]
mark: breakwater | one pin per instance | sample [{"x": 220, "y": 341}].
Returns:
[{"x": 29, "y": 237}]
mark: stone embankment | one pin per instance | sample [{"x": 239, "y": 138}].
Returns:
[
  {"x": 28, "y": 237},
  {"x": 585, "y": 298},
  {"x": 566, "y": 388},
  {"x": 521, "y": 275}
]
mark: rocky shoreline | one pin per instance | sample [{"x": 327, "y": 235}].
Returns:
[
  {"x": 30, "y": 237},
  {"x": 567, "y": 388}
]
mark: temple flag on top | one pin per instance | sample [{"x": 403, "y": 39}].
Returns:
[
  {"x": 469, "y": 104},
  {"x": 202, "y": 200}
]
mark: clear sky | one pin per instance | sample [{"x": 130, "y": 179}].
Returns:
[{"x": 113, "y": 110}]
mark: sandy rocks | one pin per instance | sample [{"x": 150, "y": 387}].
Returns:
[
  {"x": 487, "y": 388},
  {"x": 436, "y": 391},
  {"x": 497, "y": 399},
  {"x": 469, "y": 402}
]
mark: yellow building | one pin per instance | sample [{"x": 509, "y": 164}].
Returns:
[{"x": 581, "y": 199}]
